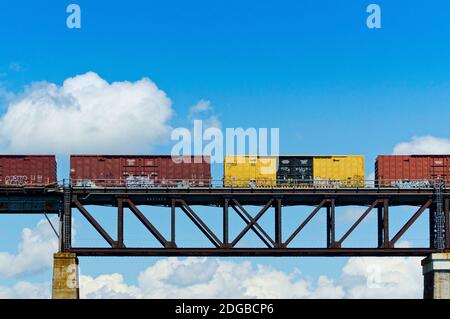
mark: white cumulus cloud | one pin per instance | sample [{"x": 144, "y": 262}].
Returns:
[
  {"x": 361, "y": 277},
  {"x": 204, "y": 111},
  {"x": 388, "y": 277},
  {"x": 423, "y": 145},
  {"x": 34, "y": 254},
  {"x": 86, "y": 114},
  {"x": 209, "y": 278},
  {"x": 111, "y": 286},
  {"x": 200, "y": 107},
  {"x": 366, "y": 277},
  {"x": 26, "y": 290}
]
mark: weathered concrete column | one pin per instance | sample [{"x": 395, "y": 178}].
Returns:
[
  {"x": 65, "y": 276},
  {"x": 436, "y": 273}
]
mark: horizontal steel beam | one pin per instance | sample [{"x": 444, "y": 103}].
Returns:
[
  {"x": 260, "y": 252},
  {"x": 30, "y": 204},
  {"x": 23, "y": 201},
  {"x": 258, "y": 190},
  {"x": 257, "y": 197}
]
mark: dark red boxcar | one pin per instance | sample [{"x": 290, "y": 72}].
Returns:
[
  {"x": 139, "y": 170},
  {"x": 412, "y": 170},
  {"x": 27, "y": 170}
]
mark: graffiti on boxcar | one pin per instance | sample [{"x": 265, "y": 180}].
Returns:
[
  {"x": 16, "y": 180},
  {"x": 139, "y": 181},
  {"x": 22, "y": 180},
  {"x": 412, "y": 184}
]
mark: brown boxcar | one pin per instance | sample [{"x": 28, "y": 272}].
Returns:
[
  {"x": 139, "y": 170},
  {"x": 27, "y": 170},
  {"x": 411, "y": 170}
]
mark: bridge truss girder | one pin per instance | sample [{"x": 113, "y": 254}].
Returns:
[{"x": 222, "y": 245}]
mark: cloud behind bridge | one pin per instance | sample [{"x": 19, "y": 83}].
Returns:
[{"x": 86, "y": 114}]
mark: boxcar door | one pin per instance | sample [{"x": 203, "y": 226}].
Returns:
[{"x": 437, "y": 168}]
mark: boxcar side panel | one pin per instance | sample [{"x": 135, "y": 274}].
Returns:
[
  {"x": 339, "y": 170},
  {"x": 139, "y": 171},
  {"x": 250, "y": 171},
  {"x": 27, "y": 170},
  {"x": 411, "y": 170}
]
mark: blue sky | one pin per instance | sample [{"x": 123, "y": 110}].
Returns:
[{"x": 311, "y": 68}]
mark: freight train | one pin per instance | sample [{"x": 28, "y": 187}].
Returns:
[{"x": 327, "y": 171}]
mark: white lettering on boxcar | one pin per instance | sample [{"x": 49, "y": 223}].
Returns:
[{"x": 16, "y": 180}]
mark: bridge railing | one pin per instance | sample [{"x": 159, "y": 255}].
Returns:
[
  {"x": 148, "y": 183},
  {"x": 145, "y": 182}
]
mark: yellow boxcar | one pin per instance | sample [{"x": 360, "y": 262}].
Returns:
[
  {"x": 250, "y": 171},
  {"x": 340, "y": 170}
]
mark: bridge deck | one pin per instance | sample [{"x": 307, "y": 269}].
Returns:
[{"x": 36, "y": 200}]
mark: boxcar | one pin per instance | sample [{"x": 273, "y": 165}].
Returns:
[
  {"x": 250, "y": 171},
  {"x": 139, "y": 170},
  {"x": 294, "y": 171},
  {"x": 339, "y": 170},
  {"x": 411, "y": 170},
  {"x": 27, "y": 170}
]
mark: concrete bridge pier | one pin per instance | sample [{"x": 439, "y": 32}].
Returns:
[
  {"x": 436, "y": 272},
  {"x": 65, "y": 276}
]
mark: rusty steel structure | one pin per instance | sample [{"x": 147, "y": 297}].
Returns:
[{"x": 64, "y": 201}]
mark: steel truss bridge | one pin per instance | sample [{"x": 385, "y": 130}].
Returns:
[{"x": 63, "y": 201}]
